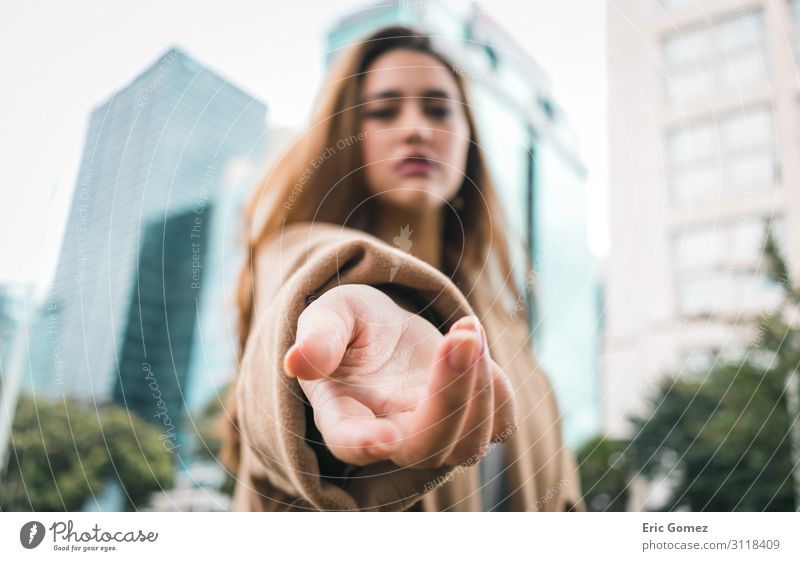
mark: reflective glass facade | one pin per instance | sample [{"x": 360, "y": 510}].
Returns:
[{"x": 154, "y": 155}]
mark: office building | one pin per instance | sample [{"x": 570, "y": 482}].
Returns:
[
  {"x": 154, "y": 153},
  {"x": 703, "y": 130}
]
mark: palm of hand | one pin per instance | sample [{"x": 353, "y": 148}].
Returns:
[
  {"x": 384, "y": 384},
  {"x": 385, "y": 368}
]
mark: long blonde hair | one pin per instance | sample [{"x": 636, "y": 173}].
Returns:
[{"x": 335, "y": 192}]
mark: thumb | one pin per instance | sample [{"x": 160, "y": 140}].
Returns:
[{"x": 324, "y": 330}]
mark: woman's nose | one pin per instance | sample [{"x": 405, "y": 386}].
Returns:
[{"x": 415, "y": 124}]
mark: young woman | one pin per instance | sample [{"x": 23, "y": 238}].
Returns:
[{"x": 382, "y": 366}]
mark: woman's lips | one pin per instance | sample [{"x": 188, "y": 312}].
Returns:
[{"x": 415, "y": 166}]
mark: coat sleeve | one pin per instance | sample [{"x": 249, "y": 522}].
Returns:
[{"x": 280, "y": 443}]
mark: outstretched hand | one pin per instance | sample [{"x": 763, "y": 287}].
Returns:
[{"x": 385, "y": 384}]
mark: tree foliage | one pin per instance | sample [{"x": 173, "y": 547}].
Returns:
[
  {"x": 723, "y": 436},
  {"x": 605, "y": 473},
  {"x": 63, "y": 453}
]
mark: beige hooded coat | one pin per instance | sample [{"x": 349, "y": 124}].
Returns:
[{"x": 284, "y": 465}]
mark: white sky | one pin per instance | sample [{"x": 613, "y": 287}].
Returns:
[{"x": 59, "y": 59}]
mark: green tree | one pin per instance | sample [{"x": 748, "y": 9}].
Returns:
[
  {"x": 63, "y": 453},
  {"x": 724, "y": 436},
  {"x": 605, "y": 473}
]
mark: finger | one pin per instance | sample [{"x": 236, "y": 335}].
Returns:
[
  {"x": 474, "y": 439},
  {"x": 505, "y": 409},
  {"x": 352, "y": 432},
  {"x": 324, "y": 330},
  {"x": 433, "y": 428}
]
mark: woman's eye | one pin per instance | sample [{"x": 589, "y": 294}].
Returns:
[
  {"x": 385, "y": 113},
  {"x": 438, "y": 112}
]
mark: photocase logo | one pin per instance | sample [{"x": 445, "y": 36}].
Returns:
[{"x": 31, "y": 534}]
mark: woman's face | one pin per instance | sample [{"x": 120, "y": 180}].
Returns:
[{"x": 416, "y": 131}]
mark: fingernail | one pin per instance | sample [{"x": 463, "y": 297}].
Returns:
[
  {"x": 459, "y": 359},
  {"x": 286, "y": 361},
  {"x": 472, "y": 323},
  {"x": 466, "y": 321}
]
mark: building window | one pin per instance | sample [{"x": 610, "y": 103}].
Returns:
[
  {"x": 724, "y": 57},
  {"x": 748, "y": 140},
  {"x": 737, "y": 244},
  {"x": 719, "y": 267},
  {"x": 735, "y": 155},
  {"x": 694, "y": 163},
  {"x": 700, "y": 294},
  {"x": 727, "y": 293},
  {"x": 676, "y": 5},
  {"x": 699, "y": 248}
]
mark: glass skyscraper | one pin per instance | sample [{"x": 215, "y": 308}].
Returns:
[
  {"x": 130, "y": 271},
  {"x": 156, "y": 349}
]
